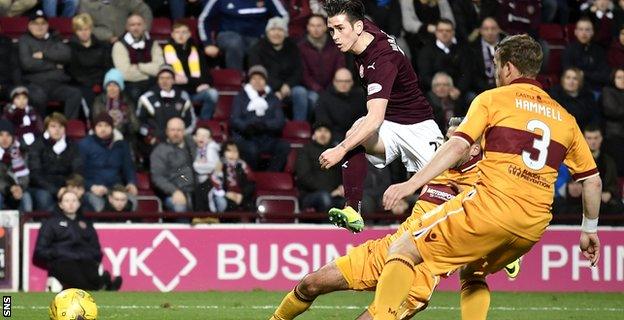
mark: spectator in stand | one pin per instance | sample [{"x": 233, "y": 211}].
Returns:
[
  {"x": 68, "y": 247},
  {"x": 109, "y": 16},
  {"x": 237, "y": 24},
  {"x": 14, "y": 8},
  {"x": 613, "y": 113},
  {"x": 575, "y": 98},
  {"x": 175, "y": 9},
  {"x": 191, "y": 72},
  {"x": 340, "y": 105},
  {"x": 520, "y": 16},
  {"x": 483, "y": 55},
  {"x": 69, "y": 7},
  {"x": 9, "y": 70},
  {"x": 107, "y": 161},
  {"x": 587, "y": 56},
  {"x": 14, "y": 173},
  {"x": 90, "y": 57},
  {"x": 205, "y": 163},
  {"x": 319, "y": 189},
  {"x": 137, "y": 56},
  {"x": 51, "y": 159},
  {"x": 157, "y": 106},
  {"x": 172, "y": 167},
  {"x": 76, "y": 183},
  {"x": 445, "y": 55},
  {"x": 118, "y": 200},
  {"x": 601, "y": 15},
  {"x": 299, "y": 13},
  {"x": 42, "y": 56},
  {"x": 469, "y": 16},
  {"x": 233, "y": 187},
  {"x": 257, "y": 121},
  {"x": 615, "y": 56},
  {"x": 320, "y": 59},
  {"x": 443, "y": 98},
  {"x": 386, "y": 14},
  {"x": 23, "y": 117},
  {"x": 419, "y": 21},
  {"x": 281, "y": 57},
  {"x": 618, "y": 16},
  {"x": 118, "y": 105}
]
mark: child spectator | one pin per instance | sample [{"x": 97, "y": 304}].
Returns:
[
  {"x": 232, "y": 185},
  {"x": 118, "y": 105},
  {"x": 205, "y": 163},
  {"x": 118, "y": 200},
  {"x": 24, "y": 117},
  {"x": 14, "y": 173},
  {"x": 75, "y": 183}
]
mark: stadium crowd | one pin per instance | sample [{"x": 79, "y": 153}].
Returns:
[{"x": 193, "y": 112}]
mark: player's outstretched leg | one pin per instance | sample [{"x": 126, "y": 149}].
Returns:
[
  {"x": 325, "y": 280},
  {"x": 475, "y": 295},
  {"x": 353, "y": 174}
]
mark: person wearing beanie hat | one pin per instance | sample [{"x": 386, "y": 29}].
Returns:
[
  {"x": 282, "y": 60},
  {"x": 118, "y": 105},
  {"x": 107, "y": 161},
  {"x": 25, "y": 119},
  {"x": 14, "y": 173},
  {"x": 318, "y": 188}
]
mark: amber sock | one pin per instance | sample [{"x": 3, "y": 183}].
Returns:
[
  {"x": 475, "y": 299},
  {"x": 393, "y": 286},
  {"x": 292, "y": 306}
]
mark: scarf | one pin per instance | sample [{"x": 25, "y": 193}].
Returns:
[
  {"x": 171, "y": 57},
  {"x": 257, "y": 103},
  {"x": 117, "y": 109},
  {"x": 57, "y": 146},
  {"x": 139, "y": 51},
  {"x": 12, "y": 158}
]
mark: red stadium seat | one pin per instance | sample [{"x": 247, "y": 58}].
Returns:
[
  {"x": 297, "y": 133},
  {"x": 554, "y": 61},
  {"x": 553, "y": 34},
  {"x": 149, "y": 204},
  {"x": 216, "y": 128},
  {"x": 144, "y": 183},
  {"x": 291, "y": 162},
  {"x": 223, "y": 109},
  {"x": 76, "y": 129},
  {"x": 274, "y": 183},
  {"x": 267, "y": 206},
  {"x": 14, "y": 27},
  {"x": 63, "y": 26},
  {"x": 570, "y": 32},
  {"x": 227, "y": 79},
  {"x": 161, "y": 29}
]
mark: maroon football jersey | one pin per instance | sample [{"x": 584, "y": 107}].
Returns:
[{"x": 387, "y": 73}]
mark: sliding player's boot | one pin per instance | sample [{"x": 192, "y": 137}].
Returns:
[
  {"x": 513, "y": 269},
  {"x": 347, "y": 218}
]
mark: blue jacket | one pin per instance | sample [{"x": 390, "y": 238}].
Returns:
[
  {"x": 246, "y": 124},
  {"x": 106, "y": 166},
  {"x": 245, "y": 17}
]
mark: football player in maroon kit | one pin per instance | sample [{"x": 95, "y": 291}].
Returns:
[{"x": 399, "y": 122}]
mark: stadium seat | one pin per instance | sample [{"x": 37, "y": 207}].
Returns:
[
  {"x": 297, "y": 133},
  {"x": 291, "y": 162},
  {"x": 223, "y": 109},
  {"x": 14, "y": 27},
  {"x": 144, "y": 183},
  {"x": 161, "y": 29},
  {"x": 216, "y": 128},
  {"x": 63, "y": 26},
  {"x": 554, "y": 61},
  {"x": 569, "y": 31},
  {"x": 148, "y": 204},
  {"x": 553, "y": 34},
  {"x": 227, "y": 79},
  {"x": 76, "y": 129},
  {"x": 274, "y": 183},
  {"x": 269, "y": 205}
]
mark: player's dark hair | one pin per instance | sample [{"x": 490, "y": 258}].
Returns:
[
  {"x": 446, "y": 21},
  {"x": 353, "y": 9},
  {"x": 523, "y": 52},
  {"x": 592, "y": 127}
]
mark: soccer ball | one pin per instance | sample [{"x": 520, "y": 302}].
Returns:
[{"x": 73, "y": 304}]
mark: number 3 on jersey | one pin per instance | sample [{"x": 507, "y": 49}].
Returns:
[{"x": 540, "y": 144}]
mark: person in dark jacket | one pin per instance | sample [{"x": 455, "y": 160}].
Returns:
[
  {"x": 51, "y": 159},
  {"x": 118, "y": 200},
  {"x": 90, "y": 57},
  {"x": 469, "y": 15},
  {"x": 576, "y": 99},
  {"x": 257, "y": 122},
  {"x": 237, "y": 24},
  {"x": 386, "y": 14},
  {"x": 615, "y": 55},
  {"x": 443, "y": 98},
  {"x": 107, "y": 162},
  {"x": 191, "y": 71},
  {"x": 483, "y": 49},
  {"x": 601, "y": 15},
  {"x": 613, "y": 114},
  {"x": 14, "y": 173},
  {"x": 118, "y": 105},
  {"x": 319, "y": 189},
  {"x": 42, "y": 56},
  {"x": 9, "y": 70},
  {"x": 281, "y": 57},
  {"x": 320, "y": 58},
  {"x": 587, "y": 56},
  {"x": 519, "y": 16},
  {"x": 69, "y": 248},
  {"x": 340, "y": 105},
  {"x": 171, "y": 167},
  {"x": 232, "y": 185},
  {"x": 25, "y": 119}
]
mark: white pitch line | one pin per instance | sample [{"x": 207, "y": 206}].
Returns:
[{"x": 346, "y": 307}]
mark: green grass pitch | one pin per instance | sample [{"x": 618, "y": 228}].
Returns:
[{"x": 341, "y": 305}]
